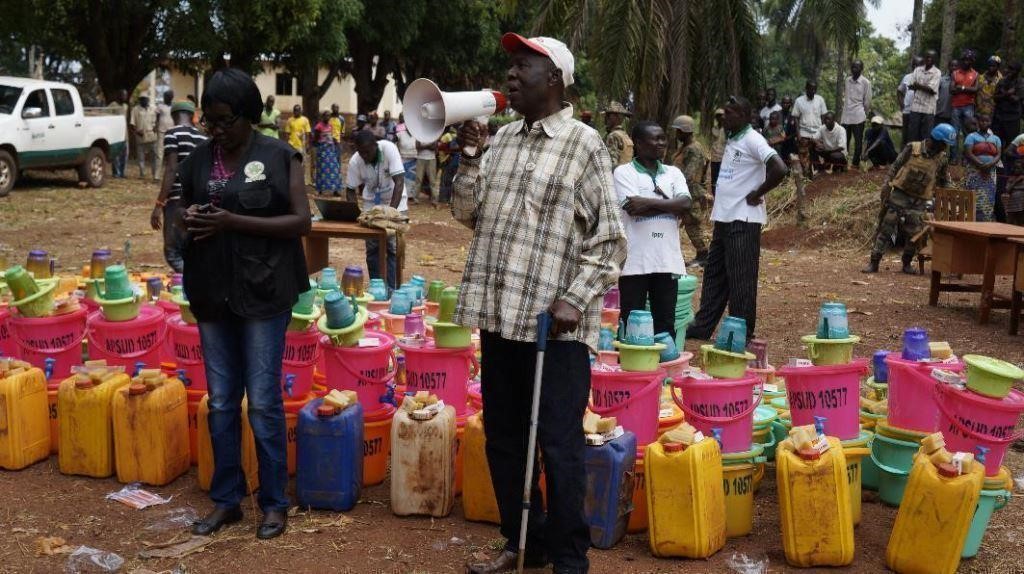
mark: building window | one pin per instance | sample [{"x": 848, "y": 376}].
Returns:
[{"x": 285, "y": 85}]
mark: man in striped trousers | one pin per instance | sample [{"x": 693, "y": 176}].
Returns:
[{"x": 750, "y": 169}]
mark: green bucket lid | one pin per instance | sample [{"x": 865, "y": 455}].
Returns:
[
  {"x": 897, "y": 433},
  {"x": 994, "y": 367},
  {"x": 764, "y": 415},
  {"x": 780, "y": 403},
  {"x": 861, "y": 440},
  {"x": 743, "y": 457}
]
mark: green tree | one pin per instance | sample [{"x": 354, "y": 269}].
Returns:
[{"x": 980, "y": 25}]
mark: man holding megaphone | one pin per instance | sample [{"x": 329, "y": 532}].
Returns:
[{"x": 547, "y": 238}]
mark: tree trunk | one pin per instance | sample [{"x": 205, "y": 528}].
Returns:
[
  {"x": 948, "y": 33},
  {"x": 1009, "y": 43},
  {"x": 915, "y": 28},
  {"x": 310, "y": 90},
  {"x": 735, "y": 76},
  {"x": 840, "y": 79}
]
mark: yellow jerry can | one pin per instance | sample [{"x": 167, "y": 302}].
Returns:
[
  {"x": 814, "y": 505},
  {"x": 86, "y": 429},
  {"x": 151, "y": 432},
  {"x": 685, "y": 500},
  {"x": 934, "y": 518},
  {"x": 24, "y": 418},
  {"x": 478, "y": 501}
]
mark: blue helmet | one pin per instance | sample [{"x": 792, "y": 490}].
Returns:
[{"x": 944, "y": 133}]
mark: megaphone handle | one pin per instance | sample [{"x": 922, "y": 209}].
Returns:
[{"x": 469, "y": 150}]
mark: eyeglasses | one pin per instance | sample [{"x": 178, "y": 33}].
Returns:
[{"x": 219, "y": 123}]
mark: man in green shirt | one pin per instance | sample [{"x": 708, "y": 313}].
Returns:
[{"x": 270, "y": 119}]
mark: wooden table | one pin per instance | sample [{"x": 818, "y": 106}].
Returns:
[
  {"x": 1017, "y": 299},
  {"x": 316, "y": 244},
  {"x": 973, "y": 248}
]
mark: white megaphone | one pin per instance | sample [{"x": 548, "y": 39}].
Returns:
[{"x": 428, "y": 110}]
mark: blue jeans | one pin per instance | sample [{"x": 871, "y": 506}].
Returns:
[
  {"x": 243, "y": 357},
  {"x": 372, "y": 260},
  {"x": 960, "y": 116}
]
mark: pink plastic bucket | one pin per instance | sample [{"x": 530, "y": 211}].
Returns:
[
  {"x": 58, "y": 337},
  {"x": 677, "y": 367},
  {"x": 724, "y": 404},
  {"x": 442, "y": 372},
  {"x": 365, "y": 370},
  {"x": 969, "y": 420},
  {"x": 127, "y": 343},
  {"x": 830, "y": 391},
  {"x": 301, "y": 354},
  {"x": 8, "y": 348},
  {"x": 912, "y": 393},
  {"x": 188, "y": 352},
  {"x": 631, "y": 397},
  {"x": 476, "y": 396}
]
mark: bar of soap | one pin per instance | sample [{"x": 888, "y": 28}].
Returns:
[
  {"x": 940, "y": 349},
  {"x": 941, "y": 456},
  {"x": 932, "y": 443},
  {"x": 590, "y": 420},
  {"x": 422, "y": 415},
  {"x": 594, "y": 439},
  {"x": 606, "y": 425},
  {"x": 96, "y": 363}
]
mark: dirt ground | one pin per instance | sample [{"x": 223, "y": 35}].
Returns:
[{"x": 48, "y": 211}]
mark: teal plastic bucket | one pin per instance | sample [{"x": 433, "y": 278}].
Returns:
[
  {"x": 869, "y": 473},
  {"x": 990, "y": 501},
  {"x": 772, "y": 439},
  {"x": 893, "y": 458}
]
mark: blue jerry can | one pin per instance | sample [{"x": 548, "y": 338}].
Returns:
[
  {"x": 329, "y": 456},
  {"x": 609, "y": 497}
]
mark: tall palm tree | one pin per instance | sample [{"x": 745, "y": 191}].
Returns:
[
  {"x": 674, "y": 55},
  {"x": 816, "y": 29}
]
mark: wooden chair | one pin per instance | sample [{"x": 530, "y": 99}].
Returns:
[{"x": 951, "y": 204}]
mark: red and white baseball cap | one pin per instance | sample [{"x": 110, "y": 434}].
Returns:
[{"x": 554, "y": 49}]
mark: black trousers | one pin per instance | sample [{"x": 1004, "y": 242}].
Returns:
[
  {"x": 660, "y": 288},
  {"x": 920, "y": 127},
  {"x": 730, "y": 278},
  {"x": 905, "y": 131},
  {"x": 507, "y": 385},
  {"x": 855, "y": 133}
]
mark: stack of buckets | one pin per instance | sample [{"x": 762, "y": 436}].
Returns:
[
  {"x": 912, "y": 415},
  {"x": 829, "y": 388},
  {"x": 365, "y": 364},
  {"x": 721, "y": 404},
  {"x": 631, "y": 392}
]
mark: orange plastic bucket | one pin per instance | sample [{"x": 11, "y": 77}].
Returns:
[
  {"x": 291, "y": 422},
  {"x": 377, "y": 444},
  {"x": 194, "y": 397},
  {"x": 51, "y": 398}
]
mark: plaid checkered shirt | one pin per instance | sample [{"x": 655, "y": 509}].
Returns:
[{"x": 541, "y": 202}]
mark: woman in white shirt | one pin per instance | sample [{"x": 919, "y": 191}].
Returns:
[{"x": 653, "y": 196}]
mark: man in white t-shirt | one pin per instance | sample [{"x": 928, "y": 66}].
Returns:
[
  {"x": 770, "y": 106},
  {"x": 830, "y": 142},
  {"x": 750, "y": 169},
  {"x": 376, "y": 172},
  {"x": 808, "y": 109},
  {"x": 407, "y": 149},
  {"x": 653, "y": 197},
  {"x": 925, "y": 82},
  {"x": 905, "y": 94}
]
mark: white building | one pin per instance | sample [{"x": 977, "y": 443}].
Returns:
[{"x": 284, "y": 87}]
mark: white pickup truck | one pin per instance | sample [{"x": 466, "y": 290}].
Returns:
[{"x": 44, "y": 126}]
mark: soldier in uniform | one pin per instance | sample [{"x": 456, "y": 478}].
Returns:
[
  {"x": 691, "y": 159},
  {"x": 912, "y": 180},
  {"x": 619, "y": 145}
]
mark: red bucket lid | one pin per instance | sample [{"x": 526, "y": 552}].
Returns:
[
  {"x": 324, "y": 411},
  {"x": 381, "y": 414},
  {"x": 137, "y": 389},
  {"x": 674, "y": 447}
]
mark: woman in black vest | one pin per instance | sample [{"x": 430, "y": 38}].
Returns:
[{"x": 246, "y": 211}]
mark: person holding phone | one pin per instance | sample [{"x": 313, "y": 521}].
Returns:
[{"x": 245, "y": 213}]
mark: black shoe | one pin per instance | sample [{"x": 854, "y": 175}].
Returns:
[
  {"x": 908, "y": 265},
  {"x": 213, "y": 521},
  {"x": 505, "y": 562},
  {"x": 275, "y": 522}
]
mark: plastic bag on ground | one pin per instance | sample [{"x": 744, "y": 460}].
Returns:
[
  {"x": 175, "y": 519},
  {"x": 136, "y": 497},
  {"x": 85, "y": 559},
  {"x": 743, "y": 564}
]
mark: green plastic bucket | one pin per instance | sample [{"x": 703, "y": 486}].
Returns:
[
  {"x": 869, "y": 473},
  {"x": 824, "y": 352},
  {"x": 723, "y": 364},
  {"x": 893, "y": 458},
  {"x": 990, "y": 501},
  {"x": 772, "y": 438}
]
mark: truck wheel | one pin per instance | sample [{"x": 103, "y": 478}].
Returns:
[
  {"x": 8, "y": 173},
  {"x": 93, "y": 170}
]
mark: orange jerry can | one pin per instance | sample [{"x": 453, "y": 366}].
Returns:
[
  {"x": 24, "y": 415},
  {"x": 151, "y": 432},
  {"x": 204, "y": 466}
]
